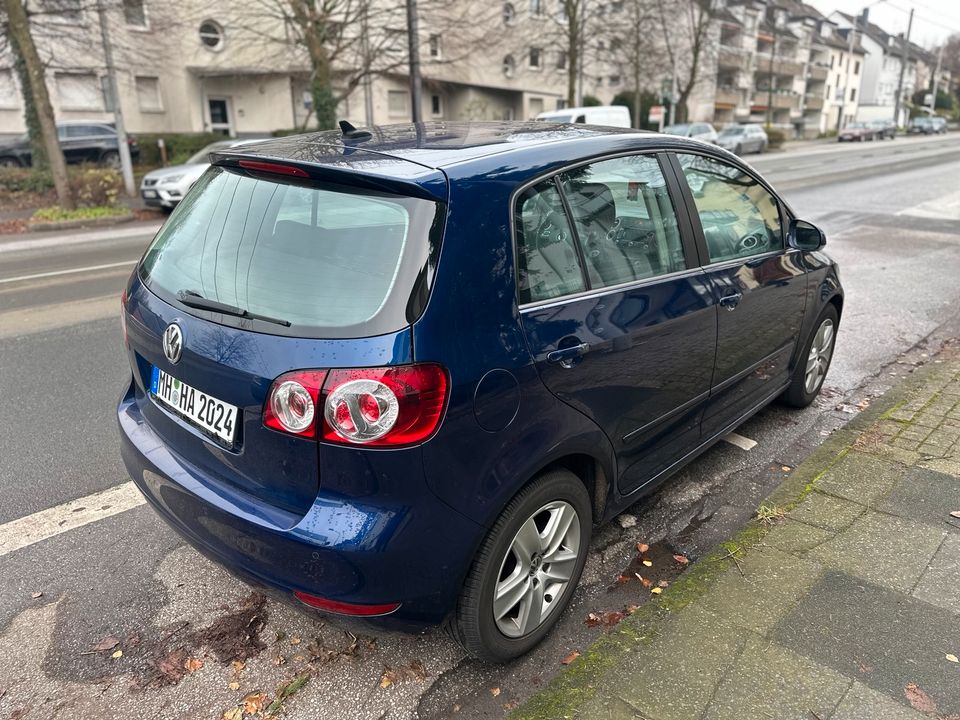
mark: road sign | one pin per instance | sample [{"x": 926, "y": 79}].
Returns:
[{"x": 656, "y": 113}]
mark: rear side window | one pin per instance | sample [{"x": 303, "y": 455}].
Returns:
[{"x": 329, "y": 260}]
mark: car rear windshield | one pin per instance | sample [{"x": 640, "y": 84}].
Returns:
[{"x": 311, "y": 260}]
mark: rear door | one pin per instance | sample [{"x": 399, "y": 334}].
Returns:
[
  {"x": 619, "y": 318},
  {"x": 759, "y": 285}
]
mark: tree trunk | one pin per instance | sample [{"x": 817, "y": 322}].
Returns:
[
  {"x": 573, "y": 51},
  {"x": 38, "y": 153},
  {"x": 19, "y": 29}
]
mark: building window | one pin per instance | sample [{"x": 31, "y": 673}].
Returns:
[
  {"x": 536, "y": 8},
  {"x": 614, "y": 79},
  {"x": 561, "y": 103},
  {"x": 853, "y": 94},
  {"x": 434, "y": 43},
  {"x": 562, "y": 60},
  {"x": 79, "y": 91},
  {"x": 509, "y": 66},
  {"x": 436, "y": 105},
  {"x": 832, "y": 58},
  {"x": 828, "y": 92},
  {"x": 535, "y": 58},
  {"x": 148, "y": 94},
  {"x": 398, "y": 103},
  {"x": 509, "y": 13},
  {"x": 211, "y": 35},
  {"x": 562, "y": 10},
  {"x": 62, "y": 10},
  {"x": 9, "y": 97},
  {"x": 856, "y": 68},
  {"x": 134, "y": 13}
]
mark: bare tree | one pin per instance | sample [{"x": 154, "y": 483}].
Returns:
[
  {"x": 688, "y": 42},
  {"x": 644, "y": 57},
  {"x": 22, "y": 42}
]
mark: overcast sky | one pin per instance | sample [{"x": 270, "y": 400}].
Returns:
[{"x": 933, "y": 20}]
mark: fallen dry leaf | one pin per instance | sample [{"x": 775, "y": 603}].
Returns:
[
  {"x": 192, "y": 665},
  {"x": 648, "y": 563},
  {"x": 108, "y": 643},
  {"x": 495, "y": 691},
  {"x": 657, "y": 590},
  {"x": 786, "y": 468},
  {"x": 682, "y": 559},
  {"x": 646, "y": 583},
  {"x": 612, "y": 617},
  {"x": 952, "y": 658},
  {"x": 234, "y": 686},
  {"x": 920, "y": 701},
  {"x": 235, "y": 713},
  {"x": 294, "y": 641},
  {"x": 955, "y": 513},
  {"x": 642, "y": 547},
  {"x": 863, "y": 404},
  {"x": 570, "y": 658},
  {"x": 621, "y": 579},
  {"x": 117, "y": 654},
  {"x": 36, "y": 595},
  {"x": 388, "y": 678},
  {"x": 663, "y": 584},
  {"x": 592, "y": 620},
  {"x": 509, "y": 705},
  {"x": 253, "y": 703},
  {"x": 238, "y": 666}
]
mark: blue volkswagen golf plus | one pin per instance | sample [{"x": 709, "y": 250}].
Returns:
[{"x": 402, "y": 373}]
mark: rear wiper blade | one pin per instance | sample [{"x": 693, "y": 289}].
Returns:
[{"x": 191, "y": 298}]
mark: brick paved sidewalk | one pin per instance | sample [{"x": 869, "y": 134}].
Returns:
[{"x": 842, "y": 604}]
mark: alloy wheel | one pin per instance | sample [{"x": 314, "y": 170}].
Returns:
[
  {"x": 821, "y": 349},
  {"x": 536, "y": 569}
]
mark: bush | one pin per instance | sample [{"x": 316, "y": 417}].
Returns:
[
  {"x": 180, "y": 146},
  {"x": 56, "y": 213},
  {"x": 92, "y": 186},
  {"x": 591, "y": 101},
  {"x": 775, "y": 137}
]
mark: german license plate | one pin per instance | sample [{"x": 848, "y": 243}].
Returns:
[
  {"x": 149, "y": 193},
  {"x": 204, "y": 411}
]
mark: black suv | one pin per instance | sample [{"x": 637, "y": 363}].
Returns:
[{"x": 80, "y": 141}]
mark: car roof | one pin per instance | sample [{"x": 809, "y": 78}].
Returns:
[{"x": 433, "y": 145}]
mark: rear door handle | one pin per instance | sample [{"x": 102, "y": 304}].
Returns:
[
  {"x": 566, "y": 356},
  {"x": 730, "y": 302}
]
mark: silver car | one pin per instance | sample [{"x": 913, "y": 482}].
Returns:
[
  {"x": 697, "y": 131},
  {"x": 741, "y": 139},
  {"x": 166, "y": 187}
]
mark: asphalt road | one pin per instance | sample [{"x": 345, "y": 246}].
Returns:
[{"x": 891, "y": 212}]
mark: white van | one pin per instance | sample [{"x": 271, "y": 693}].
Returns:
[{"x": 612, "y": 115}]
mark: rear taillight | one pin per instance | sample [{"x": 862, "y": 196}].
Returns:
[
  {"x": 376, "y": 407},
  {"x": 293, "y": 401},
  {"x": 345, "y": 608}
]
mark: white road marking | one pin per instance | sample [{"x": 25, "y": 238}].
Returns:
[
  {"x": 945, "y": 207},
  {"x": 744, "y": 443},
  {"x": 60, "y": 240},
  {"x": 71, "y": 271},
  {"x": 26, "y": 531},
  {"x": 28, "y": 321}
]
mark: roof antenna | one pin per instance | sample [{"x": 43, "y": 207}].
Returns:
[{"x": 351, "y": 133}]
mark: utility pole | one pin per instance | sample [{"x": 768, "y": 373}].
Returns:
[
  {"x": 846, "y": 77},
  {"x": 936, "y": 81},
  {"x": 773, "y": 54},
  {"x": 367, "y": 60},
  {"x": 904, "y": 57},
  {"x": 126, "y": 165},
  {"x": 413, "y": 44}
]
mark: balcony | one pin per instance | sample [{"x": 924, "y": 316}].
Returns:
[
  {"x": 785, "y": 68},
  {"x": 815, "y": 72},
  {"x": 735, "y": 58},
  {"x": 727, "y": 97},
  {"x": 813, "y": 102},
  {"x": 781, "y": 101}
]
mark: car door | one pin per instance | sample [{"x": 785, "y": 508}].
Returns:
[
  {"x": 617, "y": 314},
  {"x": 760, "y": 286}
]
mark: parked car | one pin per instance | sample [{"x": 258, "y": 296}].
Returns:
[
  {"x": 884, "y": 129},
  {"x": 939, "y": 125},
  {"x": 697, "y": 131},
  {"x": 928, "y": 125},
  {"x": 80, "y": 141},
  {"x": 166, "y": 187},
  {"x": 742, "y": 139},
  {"x": 402, "y": 376},
  {"x": 609, "y": 115},
  {"x": 857, "y": 132}
]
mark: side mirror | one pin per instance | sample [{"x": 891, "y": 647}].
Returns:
[{"x": 805, "y": 236}]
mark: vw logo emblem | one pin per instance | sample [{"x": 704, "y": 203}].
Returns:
[{"x": 173, "y": 342}]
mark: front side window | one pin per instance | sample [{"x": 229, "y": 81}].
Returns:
[
  {"x": 624, "y": 220},
  {"x": 739, "y": 217},
  {"x": 547, "y": 262}
]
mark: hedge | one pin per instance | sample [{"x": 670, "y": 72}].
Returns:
[
  {"x": 92, "y": 186},
  {"x": 180, "y": 146}
]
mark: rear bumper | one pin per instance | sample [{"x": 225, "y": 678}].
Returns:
[
  {"x": 357, "y": 552},
  {"x": 161, "y": 198}
]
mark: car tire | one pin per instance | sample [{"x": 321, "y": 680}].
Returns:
[
  {"x": 110, "y": 159},
  {"x": 802, "y": 391},
  {"x": 497, "y": 566}
]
